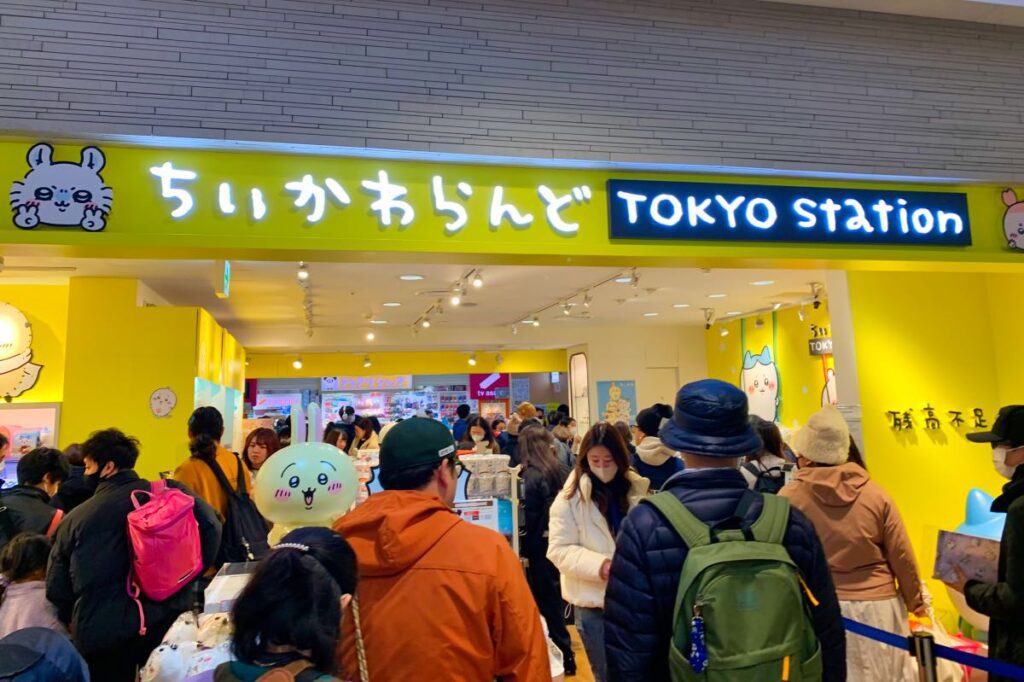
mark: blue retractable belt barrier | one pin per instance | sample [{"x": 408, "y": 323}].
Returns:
[{"x": 1012, "y": 672}]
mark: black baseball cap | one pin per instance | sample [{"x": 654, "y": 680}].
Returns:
[
  {"x": 1008, "y": 428},
  {"x": 414, "y": 442}
]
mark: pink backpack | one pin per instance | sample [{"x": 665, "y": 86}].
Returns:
[{"x": 164, "y": 537}]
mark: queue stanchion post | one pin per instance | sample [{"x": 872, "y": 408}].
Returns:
[{"x": 923, "y": 644}]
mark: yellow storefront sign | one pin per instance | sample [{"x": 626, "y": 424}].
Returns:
[{"x": 119, "y": 200}]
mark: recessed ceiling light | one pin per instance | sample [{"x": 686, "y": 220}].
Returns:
[
  {"x": 411, "y": 278},
  {"x": 628, "y": 279},
  {"x": 297, "y": 363},
  {"x": 650, "y": 314},
  {"x": 716, "y": 295},
  {"x": 378, "y": 321},
  {"x": 735, "y": 312},
  {"x": 763, "y": 282},
  {"x": 392, "y": 304},
  {"x": 680, "y": 306}
]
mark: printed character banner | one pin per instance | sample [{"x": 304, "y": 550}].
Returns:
[{"x": 617, "y": 401}]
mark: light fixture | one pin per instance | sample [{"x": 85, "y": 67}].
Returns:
[
  {"x": 817, "y": 289},
  {"x": 724, "y": 332},
  {"x": 625, "y": 279},
  {"x": 734, "y": 312},
  {"x": 478, "y": 281},
  {"x": 370, "y": 336},
  {"x": 378, "y": 321},
  {"x": 425, "y": 323},
  {"x": 802, "y": 314},
  {"x": 566, "y": 308},
  {"x": 303, "y": 273},
  {"x": 411, "y": 278},
  {"x": 776, "y": 306},
  {"x": 759, "y": 323},
  {"x": 763, "y": 283},
  {"x": 709, "y": 318},
  {"x": 367, "y": 363},
  {"x": 716, "y": 295},
  {"x": 472, "y": 360},
  {"x": 297, "y": 363},
  {"x": 587, "y": 300},
  {"x": 515, "y": 330},
  {"x": 455, "y": 300},
  {"x": 535, "y": 322},
  {"x": 392, "y": 304},
  {"x": 498, "y": 360},
  {"x": 680, "y": 306},
  {"x": 650, "y": 314}
]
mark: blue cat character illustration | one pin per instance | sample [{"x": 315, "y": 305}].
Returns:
[
  {"x": 760, "y": 381},
  {"x": 62, "y": 193}
]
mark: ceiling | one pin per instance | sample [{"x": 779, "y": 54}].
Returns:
[
  {"x": 265, "y": 307},
  {"x": 1006, "y": 12}
]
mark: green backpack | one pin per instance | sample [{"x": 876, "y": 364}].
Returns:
[{"x": 740, "y": 614}]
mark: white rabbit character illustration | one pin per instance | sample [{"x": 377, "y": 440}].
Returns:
[
  {"x": 62, "y": 193},
  {"x": 1013, "y": 220}
]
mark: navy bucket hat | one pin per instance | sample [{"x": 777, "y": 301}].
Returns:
[{"x": 710, "y": 419}]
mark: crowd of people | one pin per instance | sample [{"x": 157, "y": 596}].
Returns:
[{"x": 647, "y": 531}]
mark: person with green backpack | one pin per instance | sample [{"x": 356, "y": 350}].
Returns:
[{"x": 713, "y": 582}]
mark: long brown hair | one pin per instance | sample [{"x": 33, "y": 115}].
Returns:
[
  {"x": 618, "y": 490},
  {"x": 261, "y": 436},
  {"x": 537, "y": 451}
]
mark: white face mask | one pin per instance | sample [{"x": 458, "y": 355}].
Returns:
[
  {"x": 999, "y": 461},
  {"x": 605, "y": 474},
  {"x": 477, "y": 437}
]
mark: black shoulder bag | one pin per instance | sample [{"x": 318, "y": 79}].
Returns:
[{"x": 245, "y": 531}]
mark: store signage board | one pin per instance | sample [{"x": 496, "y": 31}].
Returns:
[
  {"x": 820, "y": 346},
  {"x": 647, "y": 209},
  {"x": 396, "y": 382},
  {"x": 489, "y": 386}
]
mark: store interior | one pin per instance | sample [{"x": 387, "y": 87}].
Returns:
[{"x": 140, "y": 343}]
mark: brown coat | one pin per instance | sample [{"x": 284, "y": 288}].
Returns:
[
  {"x": 439, "y": 598},
  {"x": 866, "y": 543}
]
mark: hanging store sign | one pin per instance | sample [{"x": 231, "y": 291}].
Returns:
[
  {"x": 641, "y": 209},
  {"x": 390, "y": 382},
  {"x": 489, "y": 386}
]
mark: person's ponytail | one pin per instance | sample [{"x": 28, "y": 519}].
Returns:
[
  {"x": 203, "y": 447},
  {"x": 205, "y": 428}
]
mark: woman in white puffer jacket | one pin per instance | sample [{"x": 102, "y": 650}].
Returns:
[{"x": 585, "y": 519}]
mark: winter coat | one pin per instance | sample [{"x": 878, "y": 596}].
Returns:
[
  {"x": 539, "y": 495},
  {"x": 1004, "y": 601},
  {"x": 372, "y": 442},
  {"x": 580, "y": 540},
  {"x": 24, "y": 605},
  {"x": 236, "y": 671},
  {"x": 89, "y": 566},
  {"x": 459, "y": 429},
  {"x": 28, "y": 511},
  {"x": 656, "y": 462},
  {"x": 764, "y": 467},
  {"x": 198, "y": 477},
  {"x": 648, "y": 563},
  {"x": 439, "y": 597},
  {"x": 866, "y": 543},
  {"x": 73, "y": 491}
]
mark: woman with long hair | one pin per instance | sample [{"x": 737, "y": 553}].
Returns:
[
  {"x": 585, "y": 519},
  {"x": 205, "y": 429},
  {"x": 260, "y": 444},
  {"x": 479, "y": 437},
  {"x": 289, "y": 616},
  {"x": 543, "y": 477},
  {"x": 23, "y": 602},
  {"x": 366, "y": 437},
  {"x": 764, "y": 471}
]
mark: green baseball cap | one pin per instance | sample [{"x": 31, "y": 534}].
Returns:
[{"x": 415, "y": 442}]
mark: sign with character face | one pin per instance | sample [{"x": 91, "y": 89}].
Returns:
[
  {"x": 62, "y": 193},
  {"x": 17, "y": 371},
  {"x": 307, "y": 484}
]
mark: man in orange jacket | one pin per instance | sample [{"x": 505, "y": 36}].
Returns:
[{"x": 439, "y": 598}]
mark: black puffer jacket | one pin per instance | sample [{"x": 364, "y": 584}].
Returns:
[
  {"x": 1004, "y": 601},
  {"x": 649, "y": 558},
  {"x": 28, "y": 511},
  {"x": 89, "y": 565},
  {"x": 539, "y": 494}
]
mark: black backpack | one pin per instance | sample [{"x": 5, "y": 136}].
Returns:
[
  {"x": 768, "y": 481},
  {"x": 245, "y": 531}
]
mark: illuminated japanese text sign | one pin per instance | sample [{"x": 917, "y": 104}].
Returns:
[{"x": 774, "y": 213}]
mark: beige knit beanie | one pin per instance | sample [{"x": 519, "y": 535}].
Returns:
[{"x": 825, "y": 439}]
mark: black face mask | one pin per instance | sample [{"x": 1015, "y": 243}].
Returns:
[{"x": 92, "y": 480}]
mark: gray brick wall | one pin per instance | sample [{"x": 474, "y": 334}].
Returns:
[{"x": 724, "y": 82}]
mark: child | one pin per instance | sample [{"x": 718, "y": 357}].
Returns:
[{"x": 23, "y": 592}]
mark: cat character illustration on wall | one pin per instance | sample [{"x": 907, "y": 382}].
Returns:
[
  {"x": 62, "y": 193},
  {"x": 760, "y": 381},
  {"x": 1013, "y": 220}
]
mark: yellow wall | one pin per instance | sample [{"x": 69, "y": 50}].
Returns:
[
  {"x": 1005, "y": 294},
  {"x": 46, "y": 307},
  {"x": 801, "y": 376},
  {"x": 930, "y": 339},
  {"x": 278, "y": 366},
  {"x": 118, "y": 354}
]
